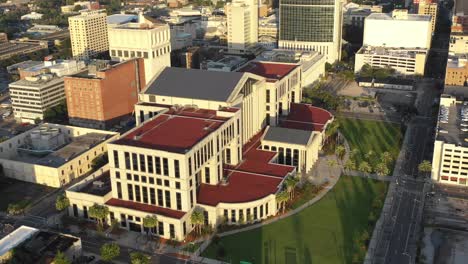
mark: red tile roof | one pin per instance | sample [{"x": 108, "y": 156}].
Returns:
[
  {"x": 271, "y": 71},
  {"x": 145, "y": 208},
  {"x": 242, "y": 187},
  {"x": 306, "y": 117},
  {"x": 168, "y": 131}
]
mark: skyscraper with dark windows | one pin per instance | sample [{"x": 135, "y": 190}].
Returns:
[{"x": 311, "y": 25}]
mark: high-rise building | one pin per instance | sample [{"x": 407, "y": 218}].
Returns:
[
  {"x": 426, "y": 7},
  {"x": 88, "y": 34},
  {"x": 242, "y": 16},
  {"x": 148, "y": 39},
  {"x": 106, "y": 93},
  {"x": 311, "y": 25}
]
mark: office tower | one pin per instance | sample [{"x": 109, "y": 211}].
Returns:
[
  {"x": 88, "y": 34},
  {"x": 428, "y": 8},
  {"x": 311, "y": 25},
  {"x": 242, "y": 18}
]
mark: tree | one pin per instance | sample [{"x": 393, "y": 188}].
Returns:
[
  {"x": 340, "y": 151},
  {"x": 281, "y": 198},
  {"x": 109, "y": 251},
  {"x": 291, "y": 183},
  {"x": 150, "y": 222},
  {"x": 381, "y": 169},
  {"x": 100, "y": 212},
  {"x": 354, "y": 153},
  {"x": 197, "y": 218},
  {"x": 387, "y": 158},
  {"x": 62, "y": 202},
  {"x": 77, "y": 8},
  {"x": 425, "y": 166},
  {"x": 139, "y": 258},
  {"x": 370, "y": 156},
  {"x": 350, "y": 164},
  {"x": 37, "y": 121},
  {"x": 328, "y": 67},
  {"x": 365, "y": 167},
  {"x": 99, "y": 161},
  {"x": 60, "y": 258}
]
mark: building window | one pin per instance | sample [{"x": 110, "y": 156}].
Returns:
[
  {"x": 167, "y": 197},
  {"x": 295, "y": 161},
  {"x": 137, "y": 193},
  {"x": 190, "y": 165},
  {"x": 127, "y": 160},
  {"x": 119, "y": 190},
  {"x": 144, "y": 191},
  {"x": 151, "y": 180},
  {"x": 158, "y": 165},
  {"x": 288, "y": 156},
  {"x": 160, "y": 198},
  {"x": 280, "y": 155},
  {"x": 123, "y": 220},
  {"x": 261, "y": 211},
  {"x": 177, "y": 185},
  {"x": 176, "y": 169},
  {"x": 152, "y": 196},
  {"x": 117, "y": 175},
  {"x": 226, "y": 216},
  {"x": 171, "y": 230},
  {"x": 228, "y": 156},
  {"x": 248, "y": 214},
  {"x": 75, "y": 210},
  {"x": 207, "y": 175},
  {"x": 116, "y": 159},
  {"x": 266, "y": 209},
  {"x": 179, "y": 201},
  {"x": 130, "y": 192},
  {"x": 161, "y": 228},
  {"x": 268, "y": 96},
  {"x": 255, "y": 213},
  {"x": 158, "y": 182},
  {"x": 142, "y": 163},
  {"x": 165, "y": 167},
  {"x": 136, "y": 177},
  {"x": 134, "y": 162},
  {"x": 150, "y": 164},
  {"x": 233, "y": 216},
  {"x": 129, "y": 176},
  {"x": 143, "y": 179},
  {"x": 191, "y": 198},
  {"x": 166, "y": 183},
  {"x": 85, "y": 212}
]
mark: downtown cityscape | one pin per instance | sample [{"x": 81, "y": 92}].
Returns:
[{"x": 234, "y": 131}]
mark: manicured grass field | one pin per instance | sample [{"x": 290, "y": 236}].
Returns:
[
  {"x": 322, "y": 233},
  {"x": 365, "y": 135}
]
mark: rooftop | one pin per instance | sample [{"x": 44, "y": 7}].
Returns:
[
  {"x": 194, "y": 84},
  {"x": 271, "y": 71},
  {"x": 146, "y": 208},
  {"x": 99, "y": 186},
  {"x": 450, "y": 119},
  {"x": 306, "y": 117},
  {"x": 38, "y": 81},
  {"x": 407, "y": 17},
  {"x": 288, "y": 135},
  {"x": 118, "y": 19},
  {"x": 40, "y": 246},
  {"x": 395, "y": 52},
  {"x": 169, "y": 131}
]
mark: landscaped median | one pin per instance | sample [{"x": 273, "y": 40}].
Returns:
[{"x": 333, "y": 230}]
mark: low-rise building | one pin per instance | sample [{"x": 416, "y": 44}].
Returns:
[
  {"x": 355, "y": 16},
  {"x": 105, "y": 94},
  {"x": 59, "y": 68},
  {"x": 32, "y": 16},
  {"x": 52, "y": 154},
  {"x": 31, "y": 245},
  {"x": 42, "y": 30},
  {"x": 403, "y": 61},
  {"x": 312, "y": 63},
  {"x": 457, "y": 70},
  {"x": 458, "y": 43},
  {"x": 32, "y": 96},
  {"x": 225, "y": 64},
  {"x": 268, "y": 32},
  {"x": 459, "y": 23},
  {"x": 20, "y": 47},
  {"x": 450, "y": 158}
]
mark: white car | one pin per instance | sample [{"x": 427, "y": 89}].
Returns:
[
  {"x": 464, "y": 129},
  {"x": 464, "y": 124}
]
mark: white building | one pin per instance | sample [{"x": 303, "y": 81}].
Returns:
[
  {"x": 88, "y": 34},
  {"x": 242, "y": 21},
  {"x": 458, "y": 43},
  {"x": 52, "y": 154},
  {"x": 398, "y": 30},
  {"x": 148, "y": 39},
  {"x": 450, "y": 158},
  {"x": 226, "y": 64},
  {"x": 404, "y": 61},
  {"x": 32, "y": 96},
  {"x": 32, "y": 16},
  {"x": 268, "y": 32}
]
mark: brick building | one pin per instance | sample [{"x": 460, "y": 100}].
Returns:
[{"x": 105, "y": 93}]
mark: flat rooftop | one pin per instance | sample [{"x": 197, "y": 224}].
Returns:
[
  {"x": 104, "y": 187},
  {"x": 15, "y": 47},
  {"x": 408, "y": 17},
  {"x": 450, "y": 132},
  {"x": 270, "y": 70},
  {"x": 395, "y": 52},
  {"x": 288, "y": 135},
  {"x": 38, "y": 82},
  {"x": 174, "y": 131},
  {"x": 64, "y": 154},
  {"x": 306, "y": 117}
]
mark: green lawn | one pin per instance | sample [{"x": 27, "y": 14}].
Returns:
[
  {"x": 367, "y": 135},
  {"x": 322, "y": 233}
]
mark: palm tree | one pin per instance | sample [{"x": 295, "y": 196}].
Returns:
[
  {"x": 381, "y": 169},
  {"x": 387, "y": 158},
  {"x": 370, "y": 156},
  {"x": 340, "y": 151},
  {"x": 281, "y": 198},
  {"x": 150, "y": 222},
  {"x": 197, "y": 218},
  {"x": 350, "y": 164},
  {"x": 365, "y": 167},
  {"x": 291, "y": 183},
  {"x": 354, "y": 154},
  {"x": 425, "y": 166}
]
